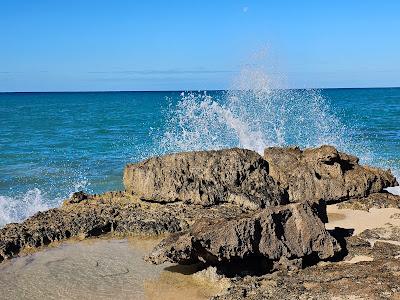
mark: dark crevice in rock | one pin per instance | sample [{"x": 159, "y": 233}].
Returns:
[
  {"x": 346, "y": 165},
  {"x": 160, "y": 201},
  {"x": 99, "y": 230},
  {"x": 253, "y": 265},
  {"x": 310, "y": 260},
  {"x": 340, "y": 234}
]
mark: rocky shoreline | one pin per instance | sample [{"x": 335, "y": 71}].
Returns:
[{"x": 257, "y": 220}]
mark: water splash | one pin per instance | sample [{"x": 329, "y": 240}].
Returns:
[
  {"x": 15, "y": 209},
  {"x": 253, "y": 115},
  {"x": 24, "y": 205}
]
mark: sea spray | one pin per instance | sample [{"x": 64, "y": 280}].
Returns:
[
  {"x": 23, "y": 205},
  {"x": 253, "y": 115},
  {"x": 19, "y": 208}
]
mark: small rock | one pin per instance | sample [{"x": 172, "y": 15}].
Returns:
[{"x": 77, "y": 197}]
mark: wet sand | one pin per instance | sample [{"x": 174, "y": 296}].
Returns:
[{"x": 100, "y": 269}]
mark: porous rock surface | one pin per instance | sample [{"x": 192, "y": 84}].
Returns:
[
  {"x": 375, "y": 279},
  {"x": 280, "y": 236},
  {"x": 372, "y": 280},
  {"x": 114, "y": 213},
  {"x": 375, "y": 200},
  {"x": 387, "y": 233},
  {"x": 324, "y": 173},
  {"x": 205, "y": 177}
]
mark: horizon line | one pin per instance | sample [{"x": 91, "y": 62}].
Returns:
[{"x": 191, "y": 90}]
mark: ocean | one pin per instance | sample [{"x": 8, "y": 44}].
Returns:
[{"x": 52, "y": 144}]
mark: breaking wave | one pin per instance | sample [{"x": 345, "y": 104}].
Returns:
[
  {"x": 21, "y": 206},
  {"x": 15, "y": 209}
]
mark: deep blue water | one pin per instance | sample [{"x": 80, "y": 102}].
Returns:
[{"x": 52, "y": 144}]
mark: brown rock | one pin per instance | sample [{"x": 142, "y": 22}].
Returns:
[
  {"x": 324, "y": 173},
  {"x": 206, "y": 177},
  {"x": 375, "y": 280},
  {"x": 388, "y": 233},
  {"x": 375, "y": 200},
  {"x": 84, "y": 220},
  {"x": 114, "y": 213},
  {"x": 283, "y": 236}
]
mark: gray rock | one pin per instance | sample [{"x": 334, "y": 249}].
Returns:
[
  {"x": 115, "y": 213},
  {"x": 282, "y": 235},
  {"x": 206, "y": 177},
  {"x": 324, "y": 173}
]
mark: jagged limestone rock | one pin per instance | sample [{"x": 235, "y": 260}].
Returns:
[
  {"x": 324, "y": 173},
  {"x": 281, "y": 236},
  {"x": 205, "y": 177}
]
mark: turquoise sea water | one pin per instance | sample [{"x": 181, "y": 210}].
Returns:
[{"x": 52, "y": 144}]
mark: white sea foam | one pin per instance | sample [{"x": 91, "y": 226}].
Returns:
[
  {"x": 15, "y": 209},
  {"x": 22, "y": 206}
]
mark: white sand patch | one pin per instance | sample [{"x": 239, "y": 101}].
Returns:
[
  {"x": 360, "y": 220},
  {"x": 359, "y": 258},
  {"x": 394, "y": 190}
]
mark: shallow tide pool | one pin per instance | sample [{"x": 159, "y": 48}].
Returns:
[{"x": 100, "y": 269}]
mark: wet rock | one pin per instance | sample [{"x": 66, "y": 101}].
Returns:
[
  {"x": 286, "y": 236},
  {"x": 375, "y": 200},
  {"x": 205, "y": 177},
  {"x": 324, "y": 173}
]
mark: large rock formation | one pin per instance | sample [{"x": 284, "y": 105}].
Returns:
[
  {"x": 206, "y": 177},
  {"x": 227, "y": 207},
  {"x": 324, "y": 173},
  {"x": 280, "y": 236}
]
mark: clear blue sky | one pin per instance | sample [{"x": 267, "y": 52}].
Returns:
[{"x": 58, "y": 45}]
